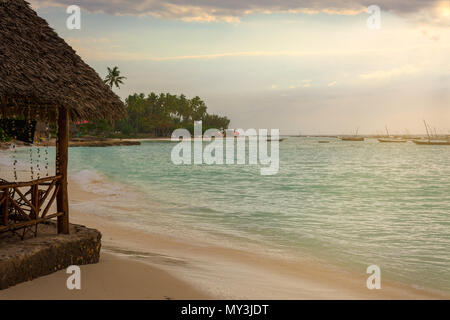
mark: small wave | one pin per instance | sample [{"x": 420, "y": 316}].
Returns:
[
  {"x": 203, "y": 210},
  {"x": 97, "y": 183}
]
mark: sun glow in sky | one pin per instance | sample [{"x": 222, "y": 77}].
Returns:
[{"x": 307, "y": 68}]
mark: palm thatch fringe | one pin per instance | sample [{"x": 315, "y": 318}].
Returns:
[{"x": 40, "y": 72}]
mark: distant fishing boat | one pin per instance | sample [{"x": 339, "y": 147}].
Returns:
[
  {"x": 431, "y": 142},
  {"x": 353, "y": 138},
  {"x": 324, "y": 141},
  {"x": 279, "y": 140},
  {"x": 391, "y": 140}
]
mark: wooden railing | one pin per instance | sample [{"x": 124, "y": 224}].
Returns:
[{"x": 24, "y": 205}]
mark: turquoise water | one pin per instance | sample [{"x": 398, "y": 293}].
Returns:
[{"x": 353, "y": 203}]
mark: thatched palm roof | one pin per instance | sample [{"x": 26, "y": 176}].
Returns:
[{"x": 40, "y": 72}]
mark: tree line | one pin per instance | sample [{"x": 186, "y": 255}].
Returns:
[{"x": 157, "y": 115}]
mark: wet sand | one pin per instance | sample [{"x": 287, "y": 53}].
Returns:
[{"x": 112, "y": 278}]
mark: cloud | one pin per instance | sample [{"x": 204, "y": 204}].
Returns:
[
  {"x": 437, "y": 14},
  {"x": 303, "y": 84},
  {"x": 388, "y": 74},
  {"x": 100, "y": 49},
  {"x": 332, "y": 84},
  {"x": 232, "y": 10}
]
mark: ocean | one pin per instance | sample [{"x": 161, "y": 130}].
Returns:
[{"x": 353, "y": 204}]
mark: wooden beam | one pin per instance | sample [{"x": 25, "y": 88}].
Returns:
[
  {"x": 30, "y": 183},
  {"x": 24, "y": 198},
  {"x": 49, "y": 190},
  {"x": 50, "y": 202},
  {"x": 21, "y": 225},
  {"x": 62, "y": 149},
  {"x": 35, "y": 202},
  {"x": 5, "y": 206}
]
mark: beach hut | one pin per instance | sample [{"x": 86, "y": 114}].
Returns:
[{"x": 43, "y": 79}]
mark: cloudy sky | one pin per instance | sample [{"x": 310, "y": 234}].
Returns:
[{"x": 297, "y": 65}]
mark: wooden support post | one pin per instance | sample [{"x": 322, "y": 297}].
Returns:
[
  {"x": 35, "y": 201},
  {"x": 5, "y": 206},
  {"x": 62, "y": 150}
]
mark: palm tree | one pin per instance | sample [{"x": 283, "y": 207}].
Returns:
[{"x": 114, "y": 78}]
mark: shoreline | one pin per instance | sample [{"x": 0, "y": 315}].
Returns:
[{"x": 196, "y": 269}]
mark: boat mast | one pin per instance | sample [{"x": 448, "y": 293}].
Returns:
[{"x": 428, "y": 133}]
